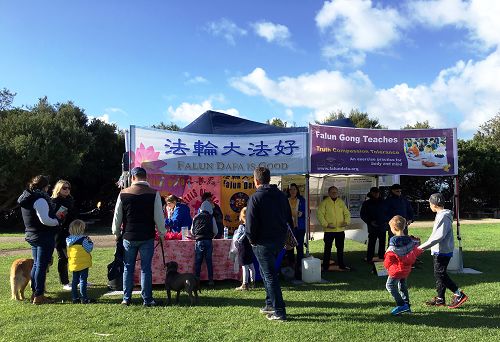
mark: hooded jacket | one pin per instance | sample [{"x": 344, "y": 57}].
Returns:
[
  {"x": 400, "y": 256},
  {"x": 268, "y": 213},
  {"x": 79, "y": 248},
  {"x": 441, "y": 239},
  {"x": 204, "y": 224}
]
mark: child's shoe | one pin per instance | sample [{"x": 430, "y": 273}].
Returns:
[
  {"x": 76, "y": 301},
  {"x": 243, "y": 287},
  {"x": 458, "y": 300},
  {"x": 436, "y": 301},
  {"x": 400, "y": 309}
]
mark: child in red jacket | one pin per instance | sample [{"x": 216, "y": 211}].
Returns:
[{"x": 398, "y": 259}]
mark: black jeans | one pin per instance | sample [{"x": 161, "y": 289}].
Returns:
[
  {"x": 373, "y": 236},
  {"x": 62, "y": 256},
  {"x": 443, "y": 280},
  {"x": 328, "y": 239},
  {"x": 300, "y": 236}
]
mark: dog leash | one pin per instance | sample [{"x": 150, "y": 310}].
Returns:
[{"x": 162, "y": 251}]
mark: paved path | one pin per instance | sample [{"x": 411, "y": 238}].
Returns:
[{"x": 109, "y": 240}]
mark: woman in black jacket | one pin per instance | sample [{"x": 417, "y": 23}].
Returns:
[
  {"x": 64, "y": 203},
  {"x": 41, "y": 226}
]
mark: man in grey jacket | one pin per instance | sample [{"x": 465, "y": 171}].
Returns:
[{"x": 441, "y": 244}]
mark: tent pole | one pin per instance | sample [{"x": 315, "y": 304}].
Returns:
[
  {"x": 307, "y": 218},
  {"x": 457, "y": 215}
]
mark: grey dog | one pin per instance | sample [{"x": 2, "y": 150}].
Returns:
[{"x": 181, "y": 281}]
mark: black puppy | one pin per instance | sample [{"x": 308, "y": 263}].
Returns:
[{"x": 181, "y": 281}]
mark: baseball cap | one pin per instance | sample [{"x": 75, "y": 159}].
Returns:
[
  {"x": 437, "y": 199},
  {"x": 138, "y": 171}
]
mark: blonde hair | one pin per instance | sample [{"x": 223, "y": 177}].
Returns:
[
  {"x": 57, "y": 188},
  {"x": 77, "y": 227},
  {"x": 243, "y": 213},
  {"x": 398, "y": 223}
]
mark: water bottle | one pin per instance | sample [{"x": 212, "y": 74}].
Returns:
[
  {"x": 226, "y": 233},
  {"x": 184, "y": 233}
]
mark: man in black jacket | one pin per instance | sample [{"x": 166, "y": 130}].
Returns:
[
  {"x": 268, "y": 214},
  {"x": 372, "y": 213}
]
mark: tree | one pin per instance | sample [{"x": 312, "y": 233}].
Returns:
[
  {"x": 44, "y": 139},
  {"x": 479, "y": 167},
  {"x": 358, "y": 118},
  {"x": 171, "y": 126},
  {"x": 6, "y": 99},
  {"x": 418, "y": 125},
  {"x": 277, "y": 122}
]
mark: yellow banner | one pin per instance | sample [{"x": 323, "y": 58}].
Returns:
[{"x": 235, "y": 191}]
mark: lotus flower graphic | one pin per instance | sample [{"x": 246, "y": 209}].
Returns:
[{"x": 147, "y": 158}]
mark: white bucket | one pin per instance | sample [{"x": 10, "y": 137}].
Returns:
[
  {"x": 456, "y": 261},
  {"x": 311, "y": 270}
]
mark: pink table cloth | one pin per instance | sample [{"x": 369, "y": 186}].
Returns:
[{"x": 182, "y": 252}]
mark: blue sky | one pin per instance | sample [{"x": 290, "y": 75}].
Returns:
[{"x": 142, "y": 62}]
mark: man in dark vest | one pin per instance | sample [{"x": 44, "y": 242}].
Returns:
[{"x": 139, "y": 209}]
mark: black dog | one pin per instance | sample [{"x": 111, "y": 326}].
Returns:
[{"x": 181, "y": 281}]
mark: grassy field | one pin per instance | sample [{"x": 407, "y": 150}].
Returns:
[{"x": 353, "y": 306}]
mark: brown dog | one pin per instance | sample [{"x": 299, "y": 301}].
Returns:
[
  {"x": 20, "y": 276},
  {"x": 181, "y": 281}
]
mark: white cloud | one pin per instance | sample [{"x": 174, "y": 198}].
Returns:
[
  {"x": 355, "y": 27},
  {"x": 197, "y": 80},
  {"x": 186, "y": 112},
  {"x": 480, "y": 17},
  {"x": 273, "y": 33},
  {"x": 323, "y": 91},
  {"x": 465, "y": 95},
  {"x": 103, "y": 118},
  {"x": 227, "y": 29}
]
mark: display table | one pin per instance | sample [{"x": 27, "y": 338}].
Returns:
[{"x": 182, "y": 252}]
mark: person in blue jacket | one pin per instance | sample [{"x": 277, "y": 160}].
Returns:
[
  {"x": 396, "y": 204},
  {"x": 180, "y": 214},
  {"x": 298, "y": 207}
]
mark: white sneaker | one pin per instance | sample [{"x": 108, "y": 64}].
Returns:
[{"x": 67, "y": 287}]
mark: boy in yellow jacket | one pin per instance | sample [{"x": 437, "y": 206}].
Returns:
[
  {"x": 334, "y": 216},
  {"x": 79, "y": 260}
]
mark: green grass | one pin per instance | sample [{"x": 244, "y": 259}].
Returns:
[
  {"x": 5, "y": 246},
  {"x": 352, "y": 307}
]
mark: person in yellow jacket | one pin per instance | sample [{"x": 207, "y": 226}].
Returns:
[
  {"x": 79, "y": 260},
  {"x": 333, "y": 216}
]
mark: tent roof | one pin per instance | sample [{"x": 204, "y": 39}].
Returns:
[
  {"x": 346, "y": 122},
  {"x": 212, "y": 122}
]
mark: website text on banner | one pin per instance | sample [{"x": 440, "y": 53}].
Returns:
[
  {"x": 167, "y": 152},
  {"x": 425, "y": 152}
]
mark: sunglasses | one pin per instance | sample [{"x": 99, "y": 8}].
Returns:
[{"x": 66, "y": 188}]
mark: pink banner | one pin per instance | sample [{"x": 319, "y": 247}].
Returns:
[{"x": 197, "y": 186}]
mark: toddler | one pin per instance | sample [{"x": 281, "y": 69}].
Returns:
[
  {"x": 79, "y": 260},
  {"x": 245, "y": 254},
  {"x": 398, "y": 259}
]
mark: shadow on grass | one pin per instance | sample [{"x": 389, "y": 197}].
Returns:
[{"x": 487, "y": 317}]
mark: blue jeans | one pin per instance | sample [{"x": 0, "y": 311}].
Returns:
[
  {"x": 145, "y": 248},
  {"x": 397, "y": 288},
  {"x": 41, "y": 250},
  {"x": 266, "y": 255},
  {"x": 203, "y": 249},
  {"x": 79, "y": 277}
]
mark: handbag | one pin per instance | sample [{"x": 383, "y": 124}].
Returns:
[{"x": 290, "y": 241}]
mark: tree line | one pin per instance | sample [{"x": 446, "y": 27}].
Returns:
[{"x": 61, "y": 140}]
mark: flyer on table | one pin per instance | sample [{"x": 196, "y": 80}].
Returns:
[{"x": 426, "y": 152}]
